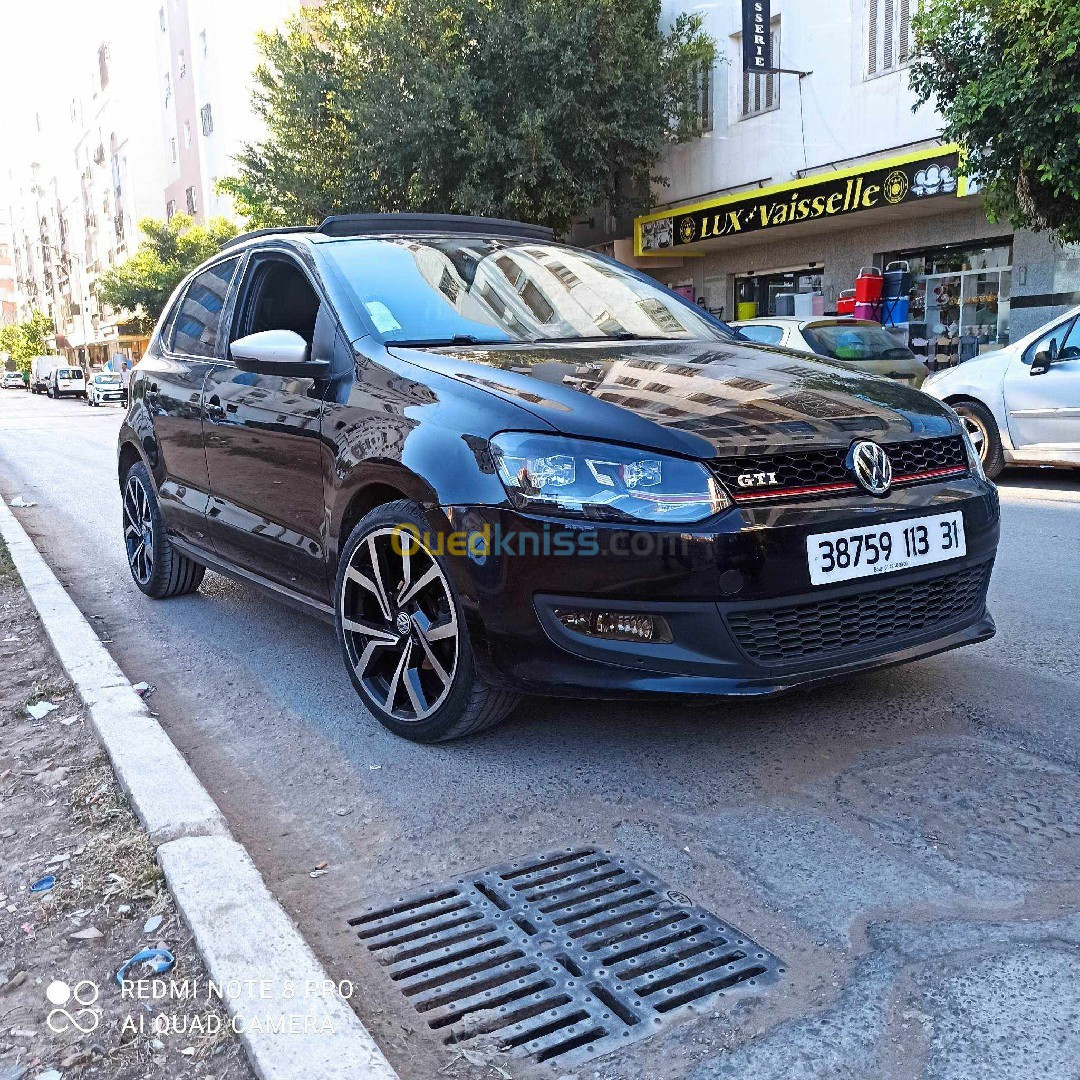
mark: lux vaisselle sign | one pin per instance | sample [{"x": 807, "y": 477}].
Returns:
[
  {"x": 916, "y": 176},
  {"x": 756, "y": 47}
]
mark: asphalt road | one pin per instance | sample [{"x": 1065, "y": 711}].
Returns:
[{"x": 908, "y": 842}]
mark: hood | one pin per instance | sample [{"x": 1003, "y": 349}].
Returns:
[{"x": 697, "y": 398}]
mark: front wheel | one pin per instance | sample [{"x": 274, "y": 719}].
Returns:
[
  {"x": 158, "y": 568},
  {"x": 983, "y": 431},
  {"x": 403, "y": 634}
]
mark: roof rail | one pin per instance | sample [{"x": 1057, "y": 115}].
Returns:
[
  {"x": 368, "y": 224},
  {"x": 239, "y": 239}
]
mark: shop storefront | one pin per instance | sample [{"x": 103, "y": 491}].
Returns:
[{"x": 973, "y": 288}]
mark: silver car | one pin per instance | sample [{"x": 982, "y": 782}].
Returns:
[
  {"x": 865, "y": 346},
  {"x": 1021, "y": 404}
]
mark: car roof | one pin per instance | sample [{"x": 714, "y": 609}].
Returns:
[{"x": 341, "y": 226}]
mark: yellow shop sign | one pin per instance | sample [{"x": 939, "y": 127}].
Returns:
[{"x": 913, "y": 177}]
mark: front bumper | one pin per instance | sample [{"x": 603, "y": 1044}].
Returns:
[{"x": 736, "y": 593}]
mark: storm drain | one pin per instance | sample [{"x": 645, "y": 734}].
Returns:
[{"x": 560, "y": 958}]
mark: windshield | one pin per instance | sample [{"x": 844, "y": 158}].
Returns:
[
  {"x": 846, "y": 342},
  {"x": 467, "y": 289},
  {"x": 107, "y": 380}
]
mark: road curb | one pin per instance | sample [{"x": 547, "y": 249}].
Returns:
[{"x": 246, "y": 938}]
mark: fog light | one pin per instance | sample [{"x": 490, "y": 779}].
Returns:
[{"x": 615, "y": 625}]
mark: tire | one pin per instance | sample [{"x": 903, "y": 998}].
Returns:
[
  {"x": 983, "y": 429},
  {"x": 444, "y": 698},
  {"x": 156, "y": 566}
]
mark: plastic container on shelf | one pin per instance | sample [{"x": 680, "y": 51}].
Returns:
[
  {"x": 845, "y": 302},
  {"x": 865, "y": 310},
  {"x": 868, "y": 284},
  {"x": 817, "y": 303},
  {"x": 804, "y": 305},
  {"x": 745, "y": 310},
  {"x": 785, "y": 303},
  {"x": 896, "y": 281}
]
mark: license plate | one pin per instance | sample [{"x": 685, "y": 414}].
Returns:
[{"x": 856, "y": 553}]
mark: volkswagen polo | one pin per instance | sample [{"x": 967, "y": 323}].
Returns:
[{"x": 502, "y": 466}]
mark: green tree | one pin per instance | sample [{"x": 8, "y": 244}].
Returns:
[
  {"x": 535, "y": 109},
  {"x": 1005, "y": 75},
  {"x": 27, "y": 339},
  {"x": 143, "y": 284}
]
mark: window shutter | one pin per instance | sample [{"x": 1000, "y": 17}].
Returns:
[
  {"x": 887, "y": 35},
  {"x": 872, "y": 35},
  {"x": 904, "y": 44}
]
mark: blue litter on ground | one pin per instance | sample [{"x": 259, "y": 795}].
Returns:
[
  {"x": 160, "y": 961},
  {"x": 43, "y": 884}
]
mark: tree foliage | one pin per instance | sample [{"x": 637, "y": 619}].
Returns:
[
  {"x": 143, "y": 284},
  {"x": 26, "y": 339},
  {"x": 1005, "y": 74},
  {"x": 534, "y": 109}
]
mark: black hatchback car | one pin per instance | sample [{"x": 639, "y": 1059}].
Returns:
[{"x": 500, "y": 465}]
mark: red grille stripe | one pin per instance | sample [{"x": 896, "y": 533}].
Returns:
[{"x": 822, "y": 489}]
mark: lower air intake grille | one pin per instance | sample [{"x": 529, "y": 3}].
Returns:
[
  {"x": 867, "y": 621},
  {"x": 559, "y": 958}
]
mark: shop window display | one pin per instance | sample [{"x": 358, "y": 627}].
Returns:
[{"x": 959, "y": 301}]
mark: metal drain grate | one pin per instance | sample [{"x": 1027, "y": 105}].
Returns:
[{"x": 559, "y": 958}]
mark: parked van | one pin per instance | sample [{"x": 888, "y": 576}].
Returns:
[
  {"x": 41, "y": 369},
  {"x": 67, "y": 381}
]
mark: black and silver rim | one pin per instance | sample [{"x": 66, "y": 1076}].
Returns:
[
  {"x": 138, "y": 530},
  {"x": 977, "y": 433},
  {"x": 399, "y": 623}
]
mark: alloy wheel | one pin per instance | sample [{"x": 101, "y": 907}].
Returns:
[
  {"x": 399, "y": 623},
  {"x": 138, "y": 530},
  {"x": 976, "y": 432}
]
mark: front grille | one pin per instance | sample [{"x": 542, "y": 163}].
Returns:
[
  {"x": 823, "y": 472},
  {"x": 872, "y": 621}
]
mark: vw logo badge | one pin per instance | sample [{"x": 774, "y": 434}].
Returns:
[
  {"x": 403, "y": 623},
  {"x": 871, "y": 466}
]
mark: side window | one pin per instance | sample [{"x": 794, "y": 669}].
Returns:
[
  {"x": 767, "y": 335},
  {"x": 198, "y": 317},
  {"x": 1058, "y": 334},
  {"x": 277, "y": 296}
]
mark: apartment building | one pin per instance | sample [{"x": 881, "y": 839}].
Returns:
[
  {"x": 822, "y": 166},
  {"x": 206, "y": 54},
  {"x": 96, "y": 170},
  {"x": 7, "y": 272}
]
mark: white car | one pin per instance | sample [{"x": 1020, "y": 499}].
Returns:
[
  {"x": 857, "y": 343},
  {"x": 103, "y": 388},
  {"x": 65, "y": 381},
  {"x": 13, "y": 380},
  {"x": 1021, "y": 404}
]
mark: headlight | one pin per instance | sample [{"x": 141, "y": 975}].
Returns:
[{"x": 578, "y": 478}]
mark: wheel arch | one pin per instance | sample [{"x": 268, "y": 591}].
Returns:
[{"x": 127, "y": 455}]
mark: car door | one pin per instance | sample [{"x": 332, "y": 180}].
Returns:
[
  {"x": 261, "y": 434},
  {"x": 166, "y": 394},
  {"x": 1043, "y": 411}
]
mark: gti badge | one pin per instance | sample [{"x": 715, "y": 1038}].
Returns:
[
  {"x": 871, "y": 466},
  {"x": 756, "y": 479}
]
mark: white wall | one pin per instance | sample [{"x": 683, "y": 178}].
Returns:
[{"x": 843, "y": 114}]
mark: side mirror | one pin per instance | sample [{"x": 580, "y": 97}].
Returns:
[
  {"x": 277, "y": 352},
  {"x": 1043, "y": 360}
]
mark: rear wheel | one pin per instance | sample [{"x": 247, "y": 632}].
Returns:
[
  {"x": 403, "y": 633},
  {"x": 983, "y": 431},
  {"x": 157, "y": 567}
]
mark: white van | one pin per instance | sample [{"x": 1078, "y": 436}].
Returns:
[{"x": 65, "y": 381}]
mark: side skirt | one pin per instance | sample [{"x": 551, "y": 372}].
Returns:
[{"x": 273, "y": 589}]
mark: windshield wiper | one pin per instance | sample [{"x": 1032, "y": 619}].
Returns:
[{"x": 457, "y": 339}]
